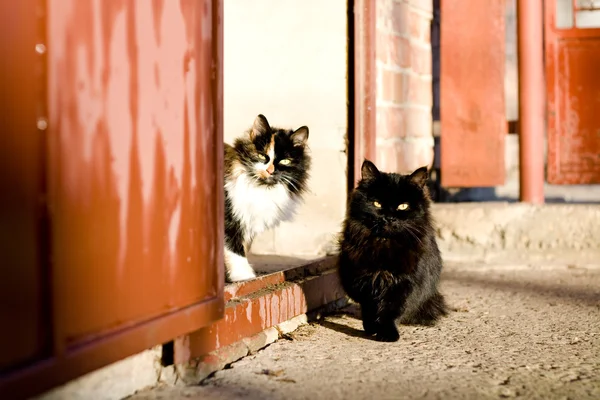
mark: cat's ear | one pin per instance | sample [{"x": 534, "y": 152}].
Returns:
[
  {"x": 260, "y": 127},
  {"x": 420, "y": 176},
  {"x": 369, "y": 170},
  {"x": 300, "y": 136}
]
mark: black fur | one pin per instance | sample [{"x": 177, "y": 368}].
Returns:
[
  {"x": 234, "y": 229},
  {"x": 294, "y": 175},
  {"x": 389, "y": 259}
]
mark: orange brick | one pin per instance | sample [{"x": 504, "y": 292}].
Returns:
[
  {"x": 419, "y": 27},
  {"x": 420, "y": 90},
  {"x": 394, "y": 86},
  {"x": 391, "y": 122},
  {"x": 420, "y": 60},
  {"x": 404, "y": 156},
  {"x": 418, "y": 122},
  {"x": 400, "y": 17},
  {"x": 423, "y": 5},
  {"x": 393, "y": 50}
]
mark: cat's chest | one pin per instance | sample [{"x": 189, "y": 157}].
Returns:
[
  {"x": 384, "y": 254},
  {"x": 259, "y": 207}
]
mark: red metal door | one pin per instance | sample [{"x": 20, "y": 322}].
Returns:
[
  {"x": 133, "y": 145},
  {"x": 572, "y": 65},
  {"x": 24, "y": 321},
  {"x": 472, "y": 113}
]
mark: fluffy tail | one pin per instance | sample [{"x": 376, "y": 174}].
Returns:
[{"x": 430, "y": 311}]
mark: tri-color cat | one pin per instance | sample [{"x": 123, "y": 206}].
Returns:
[{"x": 266, "y": 173}]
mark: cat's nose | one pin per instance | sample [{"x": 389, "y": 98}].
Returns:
[{"x": 270, "y": 169}]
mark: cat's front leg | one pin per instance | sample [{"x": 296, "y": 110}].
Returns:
[
  {"x": 385, "y": 328},
  {"x": 369, "y": 318},
  {"x": 387, "y": 331},
  {"x": 237, "y": 267},
  {"x": 379, "y": 320},
  {"x": 389, "y": 307}
]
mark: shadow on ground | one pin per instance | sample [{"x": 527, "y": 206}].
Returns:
[
  {"x": 536, "y": 284},
  {"x": 352, "y": 311}
]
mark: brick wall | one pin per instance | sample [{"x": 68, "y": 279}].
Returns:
[{"x": 404, "y": 88}]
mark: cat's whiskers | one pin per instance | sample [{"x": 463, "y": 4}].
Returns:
[
  {"x": 255, "y": 178},
  {"x": 409, "y": 229},
  {"x": 288, "y": 180}
]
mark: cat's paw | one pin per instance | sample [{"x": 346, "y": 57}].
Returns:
[
  {"x": 387, "y": 336},
  {"x": 370, "y": 327},
  {"x": 241, "y": 274},
  {"x": 238, "y": 269},
  {"x": 387, "y": 333}
]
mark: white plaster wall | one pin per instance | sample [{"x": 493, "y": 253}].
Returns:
[{"x": 287, "y": 59}]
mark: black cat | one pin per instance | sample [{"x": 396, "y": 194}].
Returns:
[{"x": 389, "y": 259}]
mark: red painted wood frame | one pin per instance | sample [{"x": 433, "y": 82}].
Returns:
[
  {"x": 111, "y": 183},
  {"x": 572, "y": 65},
  {"x": 472, "y": 112},
  {"x": 362, "y": 86}
]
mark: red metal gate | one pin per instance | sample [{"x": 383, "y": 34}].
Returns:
[
  {"x": 473, "y": 121},
  {"x": 111, "y": 196},
  {"x": 572, "y": 65}
]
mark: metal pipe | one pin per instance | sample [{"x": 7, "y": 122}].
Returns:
[{"x": 531, "y": 100}]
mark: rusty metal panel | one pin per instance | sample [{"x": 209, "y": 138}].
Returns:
[
  {"x": 135, "y": 191},
  {"x": 134, "y": 160},
  {"x": 473, "y": 121},
  {"x": 572, "y": 65},
  {"x": 24, "y": 316}
]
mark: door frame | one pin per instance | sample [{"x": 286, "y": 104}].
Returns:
[{"x": 362, "y": 90}]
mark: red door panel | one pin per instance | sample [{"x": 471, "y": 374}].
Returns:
[
  {"x": 572, "y": 65},
  {"x": 472, "y": 113},
  {"x": 24, "y": 335}
]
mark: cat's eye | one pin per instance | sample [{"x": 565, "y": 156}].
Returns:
[
  {"x": 285, "y": 161},
  {"x": 403, "y": 206},
  {"x": 377, "y": 204},
  {"x": 262, "y": 158}
]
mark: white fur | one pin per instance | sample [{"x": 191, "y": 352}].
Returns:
[
  {"x": 238, "y": 268},
  {"x": 260, "y": 207}
]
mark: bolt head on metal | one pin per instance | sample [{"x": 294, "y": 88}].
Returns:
[
  {"x": 40, "y": 48},
  {"x": 42, "y": 124}
]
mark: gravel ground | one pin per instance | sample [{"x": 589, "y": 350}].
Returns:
[{"x": 517, "y": 331}]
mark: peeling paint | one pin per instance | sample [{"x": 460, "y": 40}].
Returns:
[
  {"x": 266, "y": 307},
  {"x": 135, "y": 171}
]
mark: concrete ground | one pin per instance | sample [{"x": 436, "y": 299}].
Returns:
[{"x": 517, "y": 331}]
